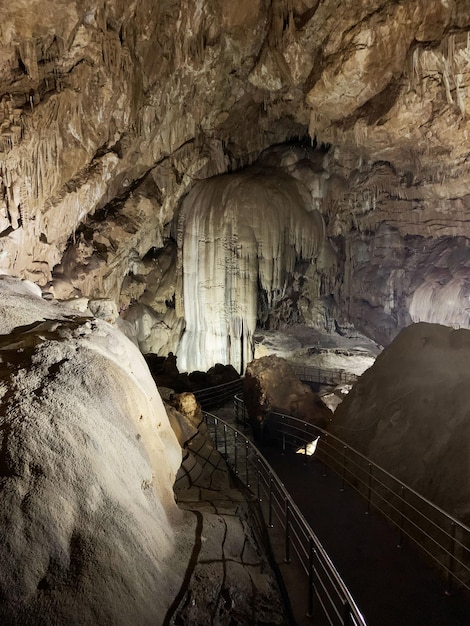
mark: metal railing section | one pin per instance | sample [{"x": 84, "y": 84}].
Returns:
[
  {"x": 312, "y": 373},
  {"x": 443, "y": 538},
  {"x": 326, "y": 591},
  {"x": 217, "y": 396}
]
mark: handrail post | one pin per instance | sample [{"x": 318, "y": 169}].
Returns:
[
  {"x": 311, "y": 552},
  {"x": 344, "y": 468},
  {"x": 325, "y": 466},
  {"x": 305, "y": 444},
  {"x": 270, "y": 512},
  {"x": 235, "y": 452},
  {"x": 287, "y": 534},
  {"x": 369, "y": 489},
  {"x": 402, "y": 516},
  {"x": 247, "y": 474},
  {"x": 216, "y": 421},
  {"x": 225, "y": 440},
  {"x": 450, "y": 571}
]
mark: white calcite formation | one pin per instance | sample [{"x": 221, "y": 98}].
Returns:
[
  {"x": 90, "y": 530},
  {"x": 239, "y": 236}
]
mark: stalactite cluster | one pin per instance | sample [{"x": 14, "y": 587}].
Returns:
[{"x": 239, "y": 234}]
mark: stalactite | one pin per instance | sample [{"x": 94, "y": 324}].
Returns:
[{"x": 236, "y": 232}]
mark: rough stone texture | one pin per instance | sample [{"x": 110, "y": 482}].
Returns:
[
  {"x": 410, "y": 413},
  {"x": 90, "y": 530},
  {"x": 110, "y": 113},
  {"x": 271, "y": 385},
  {"x": 229, "y": 579}
]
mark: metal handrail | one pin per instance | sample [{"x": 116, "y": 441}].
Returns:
[
  {"x": 326, "y": 590},
  {"x": 313, "y": 373},
  {"x": 211, "y": 397},
  {"x": 441, "y": 536}
]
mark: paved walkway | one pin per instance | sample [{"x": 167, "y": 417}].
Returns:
[{"x": 392, "y": 586}]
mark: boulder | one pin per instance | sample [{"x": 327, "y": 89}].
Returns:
[
  {"x": 90, "y": 530},
  {"x": 271, "y": 385},
  {"x": 410, "y": 413}
]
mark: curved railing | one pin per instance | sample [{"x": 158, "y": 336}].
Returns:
[
  {"x": 312, "y": 373},
  {"x": 443, "y": 538},
  {"x": 325, "y": 591},
  {"x": 220, "y": 394}
]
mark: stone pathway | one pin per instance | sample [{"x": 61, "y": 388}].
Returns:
[{"x": 229, "y": 579}]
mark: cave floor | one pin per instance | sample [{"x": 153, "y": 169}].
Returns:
[{"x": 390, "y": 585}]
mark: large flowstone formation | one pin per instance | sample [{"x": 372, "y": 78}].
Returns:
[{"x": 239, "y": 236}]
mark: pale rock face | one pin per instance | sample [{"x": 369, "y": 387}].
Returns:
[
  {"x": 409, "y": 414},
  {"x": 90, "y": 529},
  {"x": 228, "y": 254}
]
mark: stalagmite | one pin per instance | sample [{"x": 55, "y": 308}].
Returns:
[{"x": 238, "y": 235}]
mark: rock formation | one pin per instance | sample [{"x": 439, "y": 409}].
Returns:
[
  {"x": 409, "y": 413},
  {"x": 230, "y": 260},
  {"x": 90, "y": 529},
  {"x": 110, "y": 114},
  {"x": 115, "y": 115},
  {"x": 271, "y": 385}
]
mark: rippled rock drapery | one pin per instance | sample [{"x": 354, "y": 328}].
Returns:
[{"x": 239, "y": 236}]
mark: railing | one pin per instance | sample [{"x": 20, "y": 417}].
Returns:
[
  {"x": 442, "y": 537},
  {"x": 315, "y": 374},
  {"x": 325, "y": 590},
  {"x": 212, "y": 397},
  {"x": 217, "y": 396}
]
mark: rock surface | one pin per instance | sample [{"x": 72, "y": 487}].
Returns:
[
  {"x": 229, "y": 578},
  {"x": 271, "y": 385},
  {"x": 110, "y": 114},
  {"x": 91, "y": 532},
  {"x": 409, "y": 414},
  {"x": 90, "y": 529}
]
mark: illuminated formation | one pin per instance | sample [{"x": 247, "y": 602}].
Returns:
[{"x": 229, "y": 255}]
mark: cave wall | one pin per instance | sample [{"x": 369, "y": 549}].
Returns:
[{"x": 111, "y": 111}]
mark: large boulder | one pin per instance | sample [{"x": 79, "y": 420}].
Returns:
[
  {"x": 90, "y": 530},
  {"x": 271, "y": 385},
  {"x": 410, "y": 413}
]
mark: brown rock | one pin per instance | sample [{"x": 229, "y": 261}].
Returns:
[
  {"x": 270, "y": 385},
  {"x": 409, "y": 414}
]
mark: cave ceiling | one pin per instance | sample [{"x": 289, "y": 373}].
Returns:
[{"x": 110, "y": 111}]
